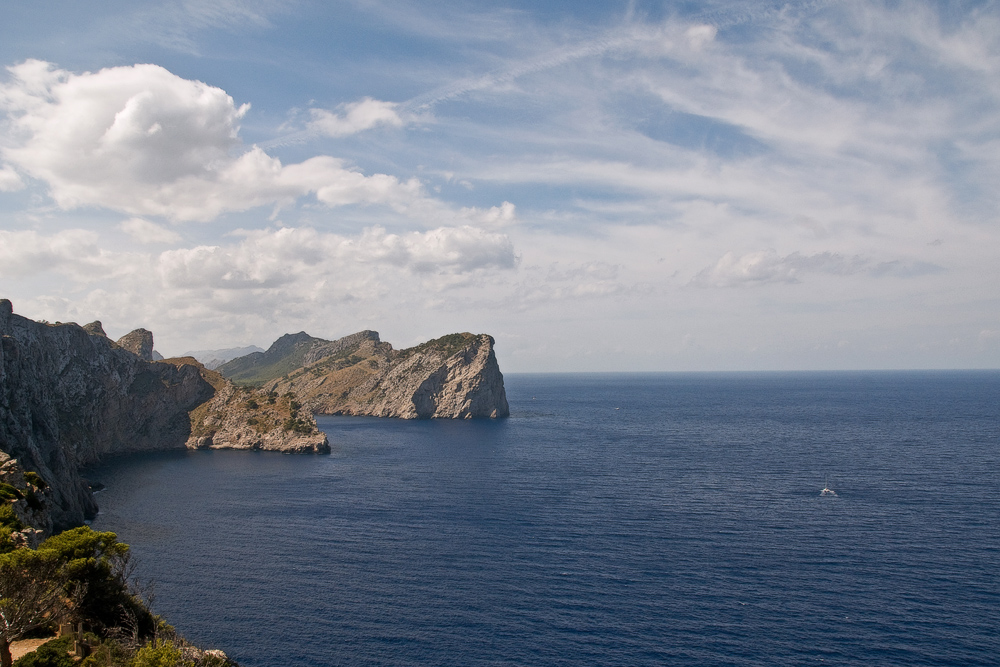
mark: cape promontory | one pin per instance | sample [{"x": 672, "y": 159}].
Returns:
[{"x": 453, "y": 377}]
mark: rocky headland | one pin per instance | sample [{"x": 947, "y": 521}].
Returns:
[
  {"x": 249, "y": 418},
  {"x": 452, "y": 377}
]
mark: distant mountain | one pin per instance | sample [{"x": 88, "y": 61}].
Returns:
[
  {"x": 212, "y": 359},
  {"x": 285, "y": 355}
]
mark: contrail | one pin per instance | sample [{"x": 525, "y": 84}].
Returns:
[{"x": 619, "y": 39}]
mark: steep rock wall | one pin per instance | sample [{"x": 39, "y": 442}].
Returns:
[{"x": 69, "y": 396}]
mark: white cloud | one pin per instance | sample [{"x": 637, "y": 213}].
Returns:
[
  {"x": 145, "y": 231},
  {"x": 10, "y": 181},
  {"x": 146, "y": 142},
  {"x": 355, "y": 117},
  {"x": 75, "y": 252},
  {"x": 503, "y": 215},
  {"x": 699, "y": 35},
  {"x": 274, "y": 258},
  {"x": 766, "y": 266}
]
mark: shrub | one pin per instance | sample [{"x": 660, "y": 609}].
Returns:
[
  {"x": 8, "y": 519},
  {"x": 297, "y": 425},
  {"x": 35, "y": 480},
  {"x": 50, "y": 654},
  {"x": 109, "y": 654},
  {"x": 160, "y": 654},
  {"x": 8, "y": 492}
]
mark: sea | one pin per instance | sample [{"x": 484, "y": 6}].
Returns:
[{"x": 613, "y": 519}]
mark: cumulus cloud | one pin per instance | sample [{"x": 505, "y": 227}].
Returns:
[
  {"x": 10, "y": 181},
  {"x": 144, "y": 141},
  {"x": 355, "y": 117},
  {"x": 495, "y": 216},
  {"x": 273, "y": 258},
  {"x": 766, "y": 266},
  {"x": 145, "y": 231},
  {"x": 73, "y": 251}
]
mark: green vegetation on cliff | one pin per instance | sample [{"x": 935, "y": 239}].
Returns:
[{"x": 83, "y": 576}]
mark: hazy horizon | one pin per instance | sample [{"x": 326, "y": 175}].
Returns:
[{"x": 619, "y": 186}]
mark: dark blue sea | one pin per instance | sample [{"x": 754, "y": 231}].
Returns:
[{"x": 643, "y": 519}]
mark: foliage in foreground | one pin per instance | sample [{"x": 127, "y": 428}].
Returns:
[{"x": 84, "y": 576}]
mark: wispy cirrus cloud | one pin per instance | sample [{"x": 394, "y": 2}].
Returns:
[{"x": 766, "y": 266}]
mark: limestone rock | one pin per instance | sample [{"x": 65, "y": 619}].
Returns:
[
  {"x": 68, "y": 397},
  {"x": 139, "y": 342},
  {"x": 456, "y": 377},
  {"x": 95, "y": 328},
  {"x": 33, "y": 508},
  {"x": 250, "y": 418}
]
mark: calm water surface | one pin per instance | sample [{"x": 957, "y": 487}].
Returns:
[{"x": 612, "y": 520}]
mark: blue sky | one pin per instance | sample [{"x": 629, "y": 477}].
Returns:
[{"x": 600, "y": 185}]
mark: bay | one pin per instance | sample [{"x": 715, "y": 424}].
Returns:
[{"x": 613, "y": 519}]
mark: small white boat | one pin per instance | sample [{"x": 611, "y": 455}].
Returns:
[{"x": 827, "y": 491}]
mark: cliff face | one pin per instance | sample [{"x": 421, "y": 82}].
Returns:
[
  {"x": 69, "y": 396},
  {"x": 29, "y": 502},
  {"x": 454, "y": 377}
]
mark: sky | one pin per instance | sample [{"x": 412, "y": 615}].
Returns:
[{"x": 601, "y": 186}]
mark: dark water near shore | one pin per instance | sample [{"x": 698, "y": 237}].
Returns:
[{"x": 685, "y": 528}]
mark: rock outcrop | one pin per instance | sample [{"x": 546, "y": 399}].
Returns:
[
  {"x": 26, "y": 496},
  {"x": 95, "y": 328},
  {"x": 139, "y": 343},
  {"x": 248, "y": 418},
  {"x": 453, "y": 377}
]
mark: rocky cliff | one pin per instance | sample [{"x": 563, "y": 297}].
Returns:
[
  {"x": 25, "y": 516},
  {"x": 69, "y": 395},
  {"x": 456, "y": 377}
]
